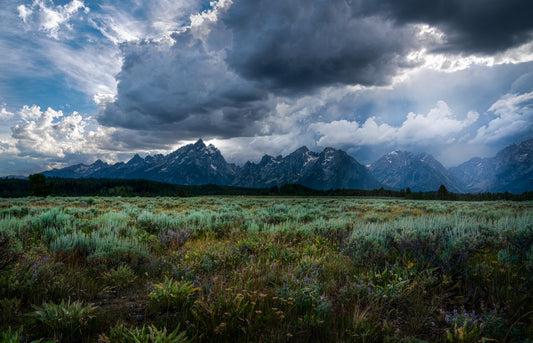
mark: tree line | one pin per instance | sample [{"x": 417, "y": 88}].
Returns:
[{"x": 40, "y": 185}]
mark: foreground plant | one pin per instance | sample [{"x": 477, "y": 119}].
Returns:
[
  {"x": 66, "y": 321},
  {"x": 17, "y": 337},
  {"x": 173, "y": 295},
  {"x": 146, "y": 334}
]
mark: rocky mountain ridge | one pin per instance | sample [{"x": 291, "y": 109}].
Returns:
[{"x": 195, "y": 164}]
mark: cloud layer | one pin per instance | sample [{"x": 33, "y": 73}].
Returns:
[
  {"x": 261, "y": 76},
  {"x": 439, "y": 124},
  {"x": 227, "y": 73}
]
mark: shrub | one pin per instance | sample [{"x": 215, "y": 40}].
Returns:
[
  {"x": 66, "y": 321},
  {"x": 172, "y": 239},
  {"x": 105, "y": 246},
  {"x": 173, "y": 295},
  {"x": 10, "y": 336},
  {"x": 146, "y": 334},
  {"x": 120, "y": 277}
]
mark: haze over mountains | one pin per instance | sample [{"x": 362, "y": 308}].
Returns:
[{"x": 195, "y": 164}]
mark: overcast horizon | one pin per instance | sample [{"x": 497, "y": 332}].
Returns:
[{"x": 87, "y": 80}]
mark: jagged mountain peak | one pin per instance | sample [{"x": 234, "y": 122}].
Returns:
[
  {"x": 510, "y": 170},
  {"x": 197, "y": 163},
  {"x": 136, "y": 159},
  {"x": 266, "y": 159},
  {"x": 421, "y": 172},
  {"x": 99, "y": 163},
  {"x": 301, "y": 150}
]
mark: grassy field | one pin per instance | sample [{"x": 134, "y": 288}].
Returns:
[{"x": 248, "y": 269}]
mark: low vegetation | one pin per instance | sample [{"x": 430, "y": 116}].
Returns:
[{"x": 279, "y": 269}]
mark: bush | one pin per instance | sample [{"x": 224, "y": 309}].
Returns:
[
  {"x": 120, "y": 277},
  {"x": 146, "y": 334},
  {"x": 10, "y": 336},
  {"x": 66, "y": 321},
  {"x": 173, "y": 295},
  {"x": 105, "y": 246},
  {"x": 172, "y": 239}
]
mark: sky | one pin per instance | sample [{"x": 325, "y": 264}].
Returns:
[{"x": 82, "y": 80}]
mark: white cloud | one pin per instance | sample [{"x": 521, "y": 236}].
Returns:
[
  {"x": 512, "y": 103},
  {"x": 119, "y": 24},
  {"x": 439, "y": 123},
  {"x": 51, "y": 133},
  {"x": 50, "y": 18},
  {"x": 24, "y": 13},
  {"x": 46, "y": 139},
  {"x": 427, "y": 58},
  {"x": 202, "y": 23},
  {"x": 93, "y": 68},
  {"x": 342, "y": 132},
  {"x": 28, "y": 113},
  {"x": 514, "y": 116},
  {"x": 5, "y": 114}
]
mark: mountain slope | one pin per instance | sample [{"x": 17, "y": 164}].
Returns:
[
  {"x": 401, "y": 170},
  {"x": 197, "y": 164},
  {"x": 328, "y": 169},
  {"x": 510, "y": 170},
  {"x": 78, "y": 170}
]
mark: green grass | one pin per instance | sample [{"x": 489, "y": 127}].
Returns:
[{"x": 265, "y": 269}]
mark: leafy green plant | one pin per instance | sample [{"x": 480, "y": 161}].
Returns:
[
  {"x": 66, "y": 321},
  {"x": 11, "y": 336},
  {"x": 272, "y": 269},
  {"x": 226, "y": 314},
  {"x": 464, "y": 331},
  {"x": 17, "y": 337},
  {"x": 120, "y": 277},
  {"x": 173, "y": 295},
  {"x": 145, "y": 334}
]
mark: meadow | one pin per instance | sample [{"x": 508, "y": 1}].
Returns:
[{"x": 265, "y": 269}]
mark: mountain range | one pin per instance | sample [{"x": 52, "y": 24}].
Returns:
[{"x": 196, "y": 164}]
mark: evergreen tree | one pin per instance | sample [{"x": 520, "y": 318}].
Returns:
[
  {"x": 442, "y": 193},
  {"x": 38, "y": 186}
]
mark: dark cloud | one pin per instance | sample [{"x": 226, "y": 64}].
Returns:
[
  {"x": 300, "y": 45},
  {"x": 224, "y": 77},
  {"x": 471, "y": 26},
  {"x": 186, "y": 90}
]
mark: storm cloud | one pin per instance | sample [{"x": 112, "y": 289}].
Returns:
[
  {"x": 264, "y": 76},
  {"x": 186, "y": 87},
  {"x": 224, "y": 75},
  {"x": 483, "y": 27},
  {"x": 298, "y": 46}
]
